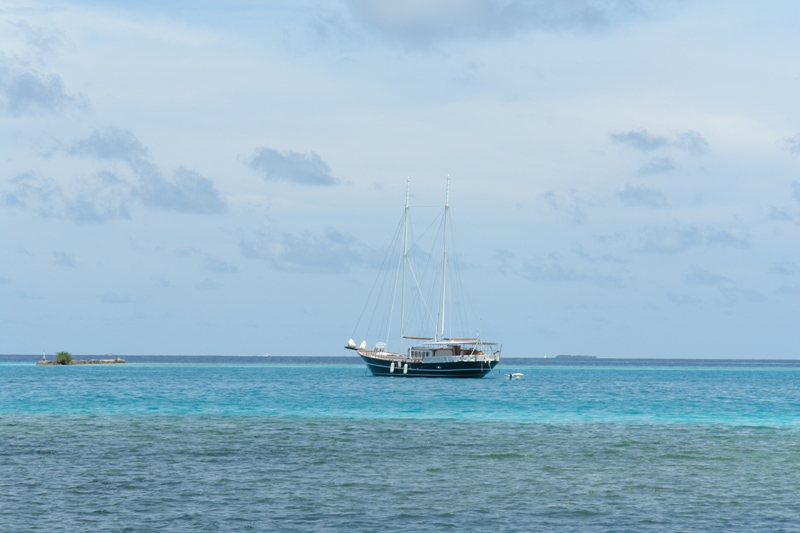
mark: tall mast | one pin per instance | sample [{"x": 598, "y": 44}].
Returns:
[
  {"x": 405, "y": 263},
  {"x": 444, "y": 248}
]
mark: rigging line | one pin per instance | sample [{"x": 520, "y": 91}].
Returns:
[
  {"x": 382, "y": 270},
  {"x": 421, "y": 283},
  {"x": 427, "y": 282},
  {"x": 422, "y": 235},
  {"x": 421, "y": 296},
  {"x": 460, "y": 280},
  {"x": 394, "y": 290},
  {"x": 439, "y": 298}
]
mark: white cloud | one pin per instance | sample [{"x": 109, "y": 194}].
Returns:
[
  {"x": 656, "y": 165},
  {"x": 677, "y": 239},
  {"x": 788, "y": 290},
  {"x": 551, "y": 269},
  {"x": 95, "y": 199},
  {"x": 186, "y": 192},
  {"x": 699, "y": 276},
  {"x": 114, "y": 298},
  {"x": 303, "y": 168},
  {"x": 27, "y": 91},
  {"x": 219, "y": 267},
  {"x": 691, "y": 142},
  {"x": 681, "y": 298},
  {"x": 779, "y": 214},
  {"x": 63, "y": 259},
  {"x": 110, "y": 143},
  {"x": 688, "y": 141},
  {"x": 669, "y": 240},
  {"x": 572, "y": 204},
  {"x": 329, "y": 252},
  {"x": 640, "y": 195},
  {"x": 420, "y": 23},
  {"x": 641, "y": 140},
  {"x": 796, "y": 190},
  {"x": 785, "y": 268},
  {"x": 791, "y": 144},
  {"x": 737, "y": 295},
  {"x": 725, "y": 239}
]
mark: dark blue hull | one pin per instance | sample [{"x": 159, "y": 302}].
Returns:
[{"x": 459, "y": 369}]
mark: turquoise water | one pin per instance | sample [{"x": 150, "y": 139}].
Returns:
[{"x": 287, "y": 446}]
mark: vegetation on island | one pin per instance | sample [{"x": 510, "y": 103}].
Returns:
[{"x": 63, "y": 358}]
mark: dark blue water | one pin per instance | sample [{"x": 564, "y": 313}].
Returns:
[{"x": 299, "y": 444}]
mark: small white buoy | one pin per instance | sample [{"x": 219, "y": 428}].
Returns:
[
  {"x": 405, "y": 369},
  {"x": 391, "y": 368}
]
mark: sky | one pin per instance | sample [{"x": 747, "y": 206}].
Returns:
[{"x": 219, "y": 177}]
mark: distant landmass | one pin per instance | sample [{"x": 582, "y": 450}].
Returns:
[
  {"x": 576, "y": 357},
  {"x": 48, "y": 362}
]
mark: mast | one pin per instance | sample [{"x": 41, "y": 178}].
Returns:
[
  {"x": 444, "y": 248},
  {"x": 405, "y": 263}
]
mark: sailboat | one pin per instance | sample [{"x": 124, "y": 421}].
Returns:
[{"x": 434, "y": 351}]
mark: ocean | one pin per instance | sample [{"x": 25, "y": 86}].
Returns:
[{"x": 316, "y": 444}]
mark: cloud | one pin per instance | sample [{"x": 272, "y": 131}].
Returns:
[
  {"x": 736, "y": 295},
  {"x": 796, "y": 190},
  {"x": 791, "y": 144},
  {"x": 420, "y": 23},
  {"x": 99, "y": 199},
  {"x": 105, "y": 196},
  {"x": 26, "y": 91},
  {"x": 640, "y": 140},
  {"x": 186, "y": 192},
  {"x": 669, "y": 240},
  {"x": 725, "y": 239},
  {"x": 680, "y": 298},
  {"x": 85, "y": 209},
  {"x": 219, "y": 267},
  {"x": 110, "y": 143},
  {"x": 96, "y": 199},
  {"x": 331, "y": 252},
  {"x": 656, "y": 165},
  {"x": 208, "y": 284},
  {"x": 551, "y": 269},
  {"x": 688, "y": 141},
  {"x": 786, "y": 268},
  {"x": 730, "y": 292},
  {"x": 574, "y": 205},
  {"x": 63, "y": 259},
  {"x": 210, "y": 263},
  {"x": 779, "y": 214},
  {"x": 679, "y": 239},
  {"x": 639, "y": 195},
  {"x": 698, "y": 276},
  {"x": 691, "y": 142},
  {"x": 114, "y": 298},
  {"x": 27, "y": 187},
  {"x": 303, "y": 168},
  {"x": 504, "y": 259},
  {"x": 40, "y": 40},
  {"x": 788, "y": 290}
]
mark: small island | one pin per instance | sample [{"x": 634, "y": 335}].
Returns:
[
  {"x": 65, "y": 358},
  {"x": 577, "y": 357}
]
